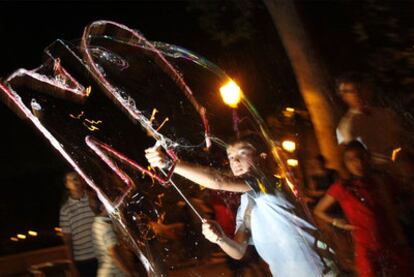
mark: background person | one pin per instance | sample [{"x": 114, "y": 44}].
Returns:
[
  {"x": 377, "y": 128},
  {"x": 76, "y": 218},
  {"x": 380, "y": 247}
]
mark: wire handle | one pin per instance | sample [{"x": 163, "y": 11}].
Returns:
[{"x": 168, "y": 182}]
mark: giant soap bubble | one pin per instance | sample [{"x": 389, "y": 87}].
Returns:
[{"x": 101, "y": 101}]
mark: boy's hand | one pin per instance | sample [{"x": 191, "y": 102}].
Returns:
[
  {"x": 212, "y": 231},
  {"x": 156, "y": 158}
]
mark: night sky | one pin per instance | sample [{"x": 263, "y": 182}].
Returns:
[{"x": 31, "y": 172}]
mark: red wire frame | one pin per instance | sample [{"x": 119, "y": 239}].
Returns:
[{"x": 100, "y": 148}]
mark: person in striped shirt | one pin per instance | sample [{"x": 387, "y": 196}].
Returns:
[{"x": 76, "y": 218}]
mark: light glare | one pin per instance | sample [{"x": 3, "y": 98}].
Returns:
[
  {"x": 289, "y": 145},
  {"x": 32, "y": 233},
  {"x": 292, "y": 162},
  {"x": 231, "y": 94},
  {"x": 21, "y": 236}
]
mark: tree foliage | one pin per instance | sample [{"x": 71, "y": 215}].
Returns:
[
  {"x": 228, "y": 21},
  {"x": 384, "y": 34}
]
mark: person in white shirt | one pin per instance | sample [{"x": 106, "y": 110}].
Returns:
[{"x": 376, "y": 127}]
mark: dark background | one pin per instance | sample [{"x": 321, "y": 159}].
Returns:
[{"x": 31, "y": 172}]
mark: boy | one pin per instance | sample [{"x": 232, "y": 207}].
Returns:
[{"x": 265, "y": 217}]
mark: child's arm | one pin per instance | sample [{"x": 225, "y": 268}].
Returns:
[
  {"x": 234, "y": 248},
  {"x": 201, "y": 175}
]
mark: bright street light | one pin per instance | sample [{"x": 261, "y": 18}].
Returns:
[
  {"x": 231, "y": 94},
  {"x": 32, "y": 233},
  {"x": 289, "y": 145},
  {"x": 21, "y": 236},
  {"x": 289, "y": 112},
  {"x": 292, "y": 162}
]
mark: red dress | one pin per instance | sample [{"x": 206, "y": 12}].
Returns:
[{"x": 374, "y": 239}]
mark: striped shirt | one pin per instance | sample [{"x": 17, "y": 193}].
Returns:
[
  {"x": 105, "y": 238},
  {"x": 76, "y": 218}
]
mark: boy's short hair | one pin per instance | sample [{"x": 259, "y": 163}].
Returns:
[{"x": 250, "y": 138}]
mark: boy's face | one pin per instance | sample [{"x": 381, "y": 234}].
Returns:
[{"x": 241, "y": 157}]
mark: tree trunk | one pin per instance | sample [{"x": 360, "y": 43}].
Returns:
[{"x": 309, "y": 76}]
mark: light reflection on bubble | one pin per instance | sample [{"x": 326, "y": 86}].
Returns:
[{"x": 107, "y": 56}]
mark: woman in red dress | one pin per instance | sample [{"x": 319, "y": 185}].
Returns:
[{"x": 380, "y": 248}]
